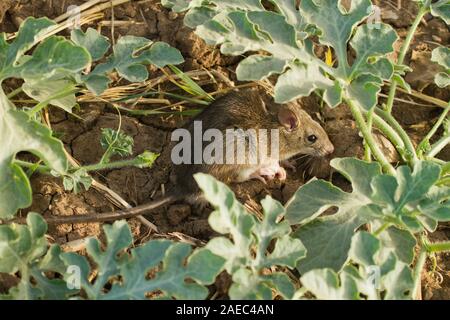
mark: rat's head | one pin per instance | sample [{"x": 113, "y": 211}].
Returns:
[{"x": 300, "y": 134}]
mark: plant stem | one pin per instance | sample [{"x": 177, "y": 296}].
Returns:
[
  {"x": 368, "y": 137},
  {"x": 137, "y": 112},
  {"x": 446, "y": 168},
  {"x": 63, "y": 93},
  {"x": 418, "y": 271},
  {"x": 443, "y": 182},
  {"x": 438, "y": 246},
  {"x": 367, "y": 151},
  {"x": 411, "y": 150},
  {"x": 382, "y": 228},
  {"x": 438, "y": 146},
  {"x": 35, "y": 166},
  {"x": 392, "y": 135},
  {"x": 433, "y": 131},
  {"x": 109, "y": 150},
  {"x": 404, "y": 50},
  {"x": 88, "y": 168},
  {"x": 111, "y": 165},
  {"x": 14, "y": 93}
]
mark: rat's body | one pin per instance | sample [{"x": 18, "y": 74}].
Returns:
[{"x": 245, "y": 109}]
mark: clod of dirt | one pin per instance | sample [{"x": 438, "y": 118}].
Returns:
[
  {"x": 290, "y": 187},
  {"x": 437, "y": 280},
  {"x": 133, "y": 184},
  {"x": 199, "y": 229},
  {"x": 400, "y": 17},
  {"x": 190, "y": 44},
  {"x": 4, "y": 6},
  {"x": 423, "y": 71},
  {"x": 347, "y": 141},
  {"x": 177, "y": 213},
  {"x": 223, "y": 284},
  {"x": 7, "y": 281},
  {"x": 68, "y": 204},
  {"x": 145, "y": 138}
]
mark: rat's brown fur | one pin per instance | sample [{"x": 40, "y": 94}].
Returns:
[
  {"x": 245, "y": 109},
  {"x": 250, "y": 109}
]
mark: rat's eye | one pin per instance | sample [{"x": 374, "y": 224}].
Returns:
[{"x": 312, "y": 138}]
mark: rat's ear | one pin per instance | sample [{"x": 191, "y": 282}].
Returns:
[{"x": 288, "y": 118}]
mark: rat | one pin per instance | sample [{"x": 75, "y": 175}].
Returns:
[{"x": 240, "y": 111}]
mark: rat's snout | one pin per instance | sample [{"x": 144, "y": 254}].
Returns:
[
  {"x": 326, "y": 149},
  {"x": 329, "y": 148}
]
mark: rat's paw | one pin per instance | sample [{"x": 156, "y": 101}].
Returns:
[
  {"x": 269, "y": 173},
  {"x": 262, "y": 178},
  {"x": 281, "y": 174}
]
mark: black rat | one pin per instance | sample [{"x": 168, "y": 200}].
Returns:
[{"x": 241, "y": 110}]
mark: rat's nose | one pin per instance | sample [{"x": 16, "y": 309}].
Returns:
[{"x": 329, "y": 148}]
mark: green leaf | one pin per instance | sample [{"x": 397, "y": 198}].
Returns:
[
  {"x": 249, "y": 286},
  {"x": 146, "y": 159},
  {"x": 247, "y": 235},
  {"x": 52, "y": 260},
  {"x": 289, "y": 9},
  {"x": 442, "y": 80},
  {"x": 259, "y": 67},
  {"x": 77, "y": 180},
  {"x": 370, "y": 43},
  {"x": 132, "y": 54},
  {"x": 371, "y": 275},
  {"x": 441, "y": 8},
  {"x": 364, "y": 247},
  {"x": 202, "y": 266},
  {"x": 317, "y": 196},
  {"x": 219, "y": 5},
  {"x": 335, "y": 24},
  {"x": 327, "y": 240},
  {"x": 28, "y": 34},
  {"x": 161, "y": 54},
  {"x": 441, "y": 55},
  {"x": 400, "y": 242},
  {"x": 325, "y": 284},
  {"x": 41, "y": 91},
  {"x": 93, "y": 41},
  {"x": 312, "y": 199},
  {"x": 20, "y": 244},
  {"x": 281, "y": 283},
  {"x": 182, "y": 275},
  {"x": 333, "y": 95},
  {"x": 287, "y": 250},
  {"x": 18, "y": 132},
  {"x": 130, "y": 58},
  {"x": 399, "y": 283},
  {"x": 198, "y": 15},
  {"x": 21, "y": 248},
  {"x": 283, "y": 33},
  {"x": 230, "y": 217},
  {"x": 176, "y": 5},
  {"x": 408, "y": 200},
  {"x": 402, "y": 83},
  {"x": 52, "y": 67},
  {"x": 435, "y": 204},
  {"x": 116, "y": 143},
  {"x": 379, "y": 273},
  {"x": 414, "y": 185},
  {"x": 365, "y": 89},
  {"x": 300, "y": 81},
  {"x": 54, "y": 58}
]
